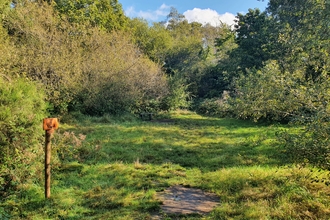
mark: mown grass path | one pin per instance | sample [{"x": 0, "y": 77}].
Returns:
[{"x": 113, "y": 169}]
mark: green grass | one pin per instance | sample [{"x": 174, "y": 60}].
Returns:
[{"x": 112, "y": 169}]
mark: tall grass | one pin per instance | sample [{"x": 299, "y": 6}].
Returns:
[{"x": 112, "y": 169}]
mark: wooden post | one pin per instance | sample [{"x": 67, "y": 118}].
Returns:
[
  {"x": 49, "y": 125},
  {"x": 48, "y": 151}
]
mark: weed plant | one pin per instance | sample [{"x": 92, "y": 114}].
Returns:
[{"x": 112, "y": 169}]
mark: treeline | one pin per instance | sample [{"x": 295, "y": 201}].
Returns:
[{"x": 62, "y": 56}]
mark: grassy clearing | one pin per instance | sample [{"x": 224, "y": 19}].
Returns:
[{"x": 110, "y": 169}]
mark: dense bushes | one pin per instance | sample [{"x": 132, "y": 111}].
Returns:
[
  {"x": 270, "y": 94},
  {"x": 82, "y": 67},
  {"x": 116, "y": 77},
  {"x": 22, "y": 108}
]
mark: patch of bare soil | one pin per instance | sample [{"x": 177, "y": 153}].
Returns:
[{"x": 182, "y": 201}]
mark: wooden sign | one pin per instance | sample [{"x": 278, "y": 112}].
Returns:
[{"x": 49, "y": 125}]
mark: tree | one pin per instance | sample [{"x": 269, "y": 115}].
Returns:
[
  {"x": 174, "y": 18},
  {"x": 246, "y": 47},
  {"x": 300, "y": 72},
  {"x": 47, "y": 50},
  {"x": 154, "y": 41},
  {"x": 106, "y": 14},
  {"x": 303, "y": 30},
  {"x": 253, "y": 39},
  {"x": 218, "y": 77}
]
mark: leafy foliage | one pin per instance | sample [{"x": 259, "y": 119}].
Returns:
[
  {"x": 252, "y": 39},
  {"x": 47, "y": 50},
  {"x": 270, "y": 94},
  {"x": 108, "y": 15},
  {"x": 310, "y": 146},
  {"x": 82, "y": 68},
  {"x": 154, "y": 41},
  {"x": 303, "y": 31},
  {"x": 131, "y": 81},
  {"x": 22, "y": 108},
  {"x": 178, "y": 96}
]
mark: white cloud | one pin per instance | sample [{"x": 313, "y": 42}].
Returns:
[
  {"x": 130, "y": 12},
  {"x": 210, "y": 16},
  {"x": 155, "y": 15},
  {"x": 202, "y": 16}
]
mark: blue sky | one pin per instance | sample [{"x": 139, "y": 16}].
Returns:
[{"x": 203, "y": 11}]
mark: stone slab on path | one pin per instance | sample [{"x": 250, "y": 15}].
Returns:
[{"x": 182, "y": 200}]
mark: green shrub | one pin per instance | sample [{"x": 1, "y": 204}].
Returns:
[
  {"x": 178, "y": 96},
  {"x": 22, "y": 108},
  {"x": 279, "y": 95},
  {"x": 311, "y": 145},
  {"x": 219, "y": 107}
]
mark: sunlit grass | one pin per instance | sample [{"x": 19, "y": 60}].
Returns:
[{"x": 120, "y": 166}]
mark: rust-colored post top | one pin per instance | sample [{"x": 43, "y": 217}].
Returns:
[{"x": 50, "y": 124}]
